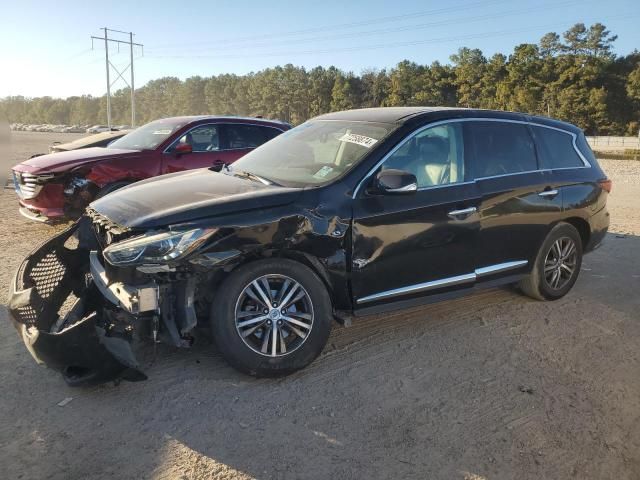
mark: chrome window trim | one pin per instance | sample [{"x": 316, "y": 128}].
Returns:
[
  {"x": 429, "y": 187},
  {"x": 445, "y": 282},
  {"x": 565, "y": 168},
  {"x": 539, "y": 170},
  {"x": 166, "y": 150},
  {"x": 472, "y": 119}
]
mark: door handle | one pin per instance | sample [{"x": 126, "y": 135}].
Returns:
[
  {"x": 548, "y": 193},
  {"x": 462, "y": 214}
]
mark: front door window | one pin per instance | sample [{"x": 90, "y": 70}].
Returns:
[
  {"x": 434, "y": 155},
  {"x": 204, "y": 138}
]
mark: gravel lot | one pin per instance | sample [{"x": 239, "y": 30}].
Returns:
[{"x": 492, "y": 386}]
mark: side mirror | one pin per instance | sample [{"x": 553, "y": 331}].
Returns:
[
  {"x": 217, "y": 165},
  {"x": 182, "y": 148},
  {"x": 395, "y": 181}
]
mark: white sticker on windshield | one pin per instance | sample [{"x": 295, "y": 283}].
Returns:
[
  {"x": 323, "y": 172},
  {"x": 366, "y": 142},
  {"x": 162, "y": 132}
]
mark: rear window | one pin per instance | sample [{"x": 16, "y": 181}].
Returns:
[
  {"x": 555, "y": 148},
  {"x": 501, "y": 148},
  {"x": 584, "y": 147}
]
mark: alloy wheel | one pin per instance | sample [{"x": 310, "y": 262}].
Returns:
[
  {"x": 560, "y": 263},
  {"x": 274, "y": 315}
]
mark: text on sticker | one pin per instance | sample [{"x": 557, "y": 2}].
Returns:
[
  {"x": 323, "y": 172},
  {"x": 366, "y": 142}
]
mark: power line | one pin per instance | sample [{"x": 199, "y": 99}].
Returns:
[
  {"x": 120, "y": 73},
  {"x": 406, "y": 28},
  {"x": 76, "y": 55},
  {"x": 385, "y": 45},
  {"x": 341, "y": 26}
]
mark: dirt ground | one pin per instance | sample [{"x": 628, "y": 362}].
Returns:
[{"x": 492, "y": 386}]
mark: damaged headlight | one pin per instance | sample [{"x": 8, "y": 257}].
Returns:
[
  {"x": 156, "y": 247},
  {"x": 75, "y": 184}
]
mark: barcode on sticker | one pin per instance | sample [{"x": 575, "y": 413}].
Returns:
[{"x": 366, "y": 142}]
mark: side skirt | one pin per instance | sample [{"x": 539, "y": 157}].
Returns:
[{"x": 436, "y": 297}]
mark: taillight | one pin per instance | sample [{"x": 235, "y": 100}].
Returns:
[{"x": 606, "y": 184}]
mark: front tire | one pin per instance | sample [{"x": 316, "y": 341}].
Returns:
[
  {"x": 271, "y": 317},
  {"x": 557, "y": 265}
]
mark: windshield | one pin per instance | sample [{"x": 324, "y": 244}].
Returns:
[
  {"x": 313, "y": 153},
  {"x": 148, "y": 136}
]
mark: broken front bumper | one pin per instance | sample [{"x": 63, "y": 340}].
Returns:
[
  {"x": 133, "y": 299},
  {"x": 59, "y": 312}
]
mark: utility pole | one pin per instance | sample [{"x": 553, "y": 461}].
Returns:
[
  {"x": 133, "y": 88},
  {"x": 106, "y": 57},
  {"x": 120, "y": 74}
]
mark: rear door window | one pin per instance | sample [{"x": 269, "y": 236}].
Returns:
[
  {"x": 501, "y": 148},
  {"x": 555, "y": 148},
  {"x": 270, "y": 133},
  {"x": 240, "y": 136}
]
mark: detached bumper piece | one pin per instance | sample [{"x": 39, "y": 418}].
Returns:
[
  {"x": 59, "y": 313},
  {"x": 134, "y": 300}
]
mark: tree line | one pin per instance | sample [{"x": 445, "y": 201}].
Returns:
[{"x": 574, "y": 77}]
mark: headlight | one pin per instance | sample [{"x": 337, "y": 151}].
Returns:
[{"x": 157, "y": 247}]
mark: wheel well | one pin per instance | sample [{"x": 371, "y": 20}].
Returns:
[
  {"x": 583, "y": 229},
  {"x": 310, "y": 262},
  {"x": 307, "y": 260}
]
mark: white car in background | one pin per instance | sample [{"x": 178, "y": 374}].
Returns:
[
  {"x": 74, "y": 129},
  {"x": 98, "y": 129}
]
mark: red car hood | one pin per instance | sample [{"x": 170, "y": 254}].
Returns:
[{"x": 63, "y": 161}]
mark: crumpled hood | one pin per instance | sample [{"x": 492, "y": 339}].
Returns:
[
  {"x": 63, "y": 161},
  {"x": 187, "y": 196}
]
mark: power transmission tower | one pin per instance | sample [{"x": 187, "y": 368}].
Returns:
[{"x": 120, "y": 74}]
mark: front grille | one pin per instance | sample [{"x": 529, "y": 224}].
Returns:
[{"x": 28, "y": 185}]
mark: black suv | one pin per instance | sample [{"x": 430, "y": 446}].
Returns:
[{"x": 350, "y": 213}]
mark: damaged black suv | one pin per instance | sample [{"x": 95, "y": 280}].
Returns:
[{"x": 350, "y": 213}]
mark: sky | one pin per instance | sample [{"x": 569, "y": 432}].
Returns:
[{"x": 45, "y": 46}]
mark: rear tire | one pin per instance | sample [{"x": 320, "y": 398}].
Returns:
[
  {"x": 557, "y": 265},
  {"x": 271, "y": 317}
]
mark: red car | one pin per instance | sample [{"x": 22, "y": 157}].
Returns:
[{"x": 60, "y": 185}]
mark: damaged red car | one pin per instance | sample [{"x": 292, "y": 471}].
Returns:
[{"x": 59, "y": 186}]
